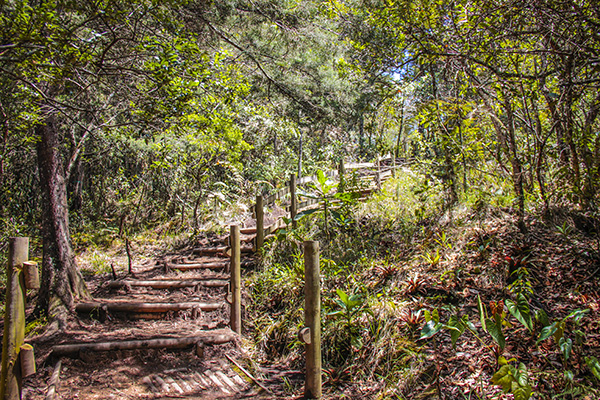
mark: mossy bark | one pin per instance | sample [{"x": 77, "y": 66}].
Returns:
[
  {"x": 61, "y": 280},
  {"x": 14, "y": 320}
]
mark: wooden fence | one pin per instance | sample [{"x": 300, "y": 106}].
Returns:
[
  {"x": 17, "y": 357},
  {"x": 371, "y": 175}
]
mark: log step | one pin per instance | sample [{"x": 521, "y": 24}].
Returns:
[
  {"x": 225, "y": 250},
  {"x": 211, "y": 250},
  {"x": 133, "y": 307},
  {"x": 211, "y": 265},
  {"x": 188, "y": 382},
  {"x": 167, "y": 284},
  {"x": 216, "y": 337}
]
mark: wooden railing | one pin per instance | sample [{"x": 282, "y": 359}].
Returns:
[{"x": 372, "y": 174}]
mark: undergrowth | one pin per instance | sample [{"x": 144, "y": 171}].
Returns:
[{"x": 403, "y": 270}]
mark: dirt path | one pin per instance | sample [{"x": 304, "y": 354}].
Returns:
[{"x": 182, "y": 297}]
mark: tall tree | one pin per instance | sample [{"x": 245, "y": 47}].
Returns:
[
  {"x": 530, "y": 65},
  {"x": 83, "y": 70}
]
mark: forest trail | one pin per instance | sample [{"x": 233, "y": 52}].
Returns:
[
  {"x": 163, "y": 330},
  {"x": 164, "y": 333}
]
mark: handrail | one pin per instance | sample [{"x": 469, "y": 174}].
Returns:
[
  {"x": 281, "y": 193},
  {"x": 381, "y": 173}
]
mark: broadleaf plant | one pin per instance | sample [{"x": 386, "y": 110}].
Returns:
[
  {"x": 514, "y": 380},
  {"x": 521, "y": 311}
]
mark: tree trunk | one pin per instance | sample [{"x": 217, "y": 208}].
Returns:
[
  {"x": 517, "y": 169},
  {"x": 61, "y": 280}
]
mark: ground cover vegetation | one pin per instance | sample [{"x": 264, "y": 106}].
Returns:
[{"x": 473, "y": 272}]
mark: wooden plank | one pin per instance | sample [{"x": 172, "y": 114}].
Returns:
[
  {"x": 184, "y": 384},
  {"x": 276, "y": 226},
  {"x": 218, "y": 337},
  {"x": 211, "y": 250},
  {"x": 174, "y": 384},
  {"x": 248, "y": 374},
  {"x": 216, "y": 381},
  {"x": 54, "y": 385},
  {"x": 148, "y": 382},
  {"x": 304, "y": 180},
  {"x": 312, "y": 320},
  {"x": 227, "y": 380},
  {"x": 202, "y": 382},
  {"x": 163, "y": 385},
  {"x": 281, "y": 193},
  {"x": 89, "y": 307},
  {"x": 235, "y": 280},
  {"x": 14, "y": 319},
  {"x": 167, "y": 284},
  {"x": 359, "y": 165},
  {"x": 385, "y": 174},
  {"x": 260, "y": 223},
  {"x": 210, "y": 265},
  {"x": 304, "y": 204}
]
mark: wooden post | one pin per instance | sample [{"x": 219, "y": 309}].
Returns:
[
  {"x": 32, "y": 275},
  {"x": 293, "y": 200},
  {"x": 342, "y": 173},
  {"x": 312, "y": 320},
  {"x": 378, "y": 174},
  {"x": 260, "y": 223},
  {"x": 14, "y": 319},
  {"x": 236, "y": 292},
  {"x": 27, "y": 359}
]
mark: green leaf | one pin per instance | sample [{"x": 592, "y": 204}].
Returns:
[
  {"x": 309, "y": 195},
  {"x": 457, "y": 327},
  {"x": 431, "y": 328},
  {"x": 566, "y": 345},
  {"x": 521, "y": 375},
  {"x": 347, "y": 197},
  {"x": 482, "y": 313},
  {"x": 520, "y": 310},
  {"x": 569, "y": 375},
  {"x": 495, "y": 331},
  {"x": 548, "y": 331},
  {"x": 513, "y": 380},
  {"x": 594, "y": 366},
  {"x": 522, "y": 393},
  {"x": 471, "y": 326},
  {"x": 427, "y": 315},
  {"x": 504, "y": 377},
  {"x": 577, "y": 315},
  {"x": 354, "y": 301},
  {"x": 560, "y": 331},
  {"x": 542, "y": 317},
  {"x": 306, "y": 213},
  {"x": 342, "y": 295},
  {"x": 503, "y": 361},
  {"x": 356, "y": 342},
  {"x": 321, "y": 178},
  {"x": 435, "y": 315}
]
